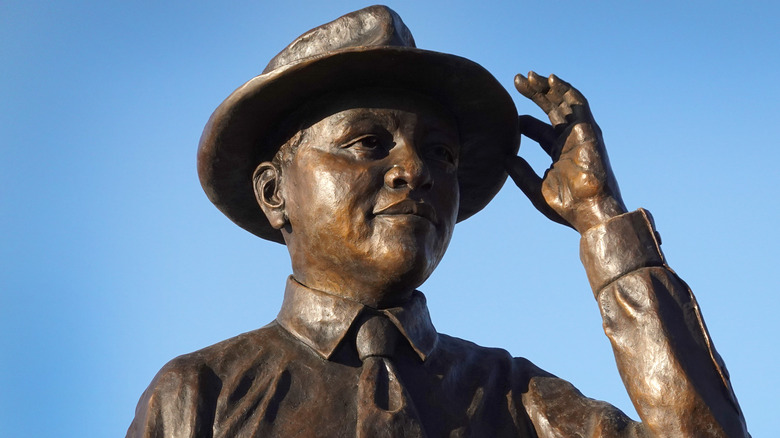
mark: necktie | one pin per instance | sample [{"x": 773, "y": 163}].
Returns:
[{"x": 384, "y": 406}]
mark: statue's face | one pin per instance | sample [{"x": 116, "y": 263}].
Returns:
[{"x": 371, "y": 196}]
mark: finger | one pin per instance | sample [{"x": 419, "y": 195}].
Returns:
[
  {"x": 531, "y": 185},
  {"x": 538, "y": 131},
  {"x": 557, "y": 89},
  {"x": 558, "y": 114},
  {"x": 574, "y": 97},
  {"x": 539, "y": 83},
  {"x": 558, "y": 86},
  {"x": 557, "y": 95},
  {"x": 542, "y": 87},
  {"x": 523, "y": 86},
  {"x": 532, "y": 89},
  {"x": 524, "y": 176},
  {"x": 578, "y": 105}
]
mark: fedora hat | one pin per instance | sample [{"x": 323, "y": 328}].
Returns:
[{"x": 367, "y": 48}]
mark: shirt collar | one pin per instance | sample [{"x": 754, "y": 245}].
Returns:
[{"x": 321, "y": 320}]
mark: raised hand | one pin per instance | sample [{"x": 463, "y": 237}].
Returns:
[{"x": 579, "y": 189}]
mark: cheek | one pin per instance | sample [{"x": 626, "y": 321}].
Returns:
[
  {"x": 329, "y": 202},
  {"x": 449, "y": 194}
]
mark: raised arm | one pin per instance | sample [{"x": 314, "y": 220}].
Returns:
[{"x": 675, "y": 378}]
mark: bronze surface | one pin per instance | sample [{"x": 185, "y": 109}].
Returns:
[{"x": 365, "y": 193}]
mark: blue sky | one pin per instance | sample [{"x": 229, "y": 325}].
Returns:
[{"x": 112, "y": 260}]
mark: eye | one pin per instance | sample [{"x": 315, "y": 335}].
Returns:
[
  {"x": 367, "y": 146},
  {"x": 366, "y": 142},
  {"x": 442, "y": 152}
]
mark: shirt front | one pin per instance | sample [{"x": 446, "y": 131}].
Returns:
[{"x": 298, "y": 377}]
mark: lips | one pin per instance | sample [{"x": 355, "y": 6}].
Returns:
[{"x": 408, "y": 207}]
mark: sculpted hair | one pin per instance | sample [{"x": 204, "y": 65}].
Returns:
[
  {"x": 291, "y": 133},
  {"x": 287, "y": 150}
]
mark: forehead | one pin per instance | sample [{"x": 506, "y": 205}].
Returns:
[{"x": 378, "y": 105}]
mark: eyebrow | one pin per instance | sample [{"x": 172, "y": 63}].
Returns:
[
  {"x": 358, "y": 117},
  {"x": 390, "y": 118}
]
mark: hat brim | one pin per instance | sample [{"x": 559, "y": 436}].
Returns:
[{"x": 232, "y": 143}]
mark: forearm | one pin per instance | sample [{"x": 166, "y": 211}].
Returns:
[{"x": 671, "y": 370}]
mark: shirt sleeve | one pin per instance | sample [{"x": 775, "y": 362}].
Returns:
[
  {"x": 177, "y": 404},
  {"x": 674, "y": 376}
]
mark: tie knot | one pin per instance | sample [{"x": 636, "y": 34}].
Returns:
[{"x": 376, "y": 336}]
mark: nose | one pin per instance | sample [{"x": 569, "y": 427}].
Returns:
[{"x": 408, "y": 169}]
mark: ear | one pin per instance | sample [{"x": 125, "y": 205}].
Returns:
[{"x": 266, "y": 181}]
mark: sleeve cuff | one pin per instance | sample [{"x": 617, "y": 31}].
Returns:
[{"x": 621, "y": 245}]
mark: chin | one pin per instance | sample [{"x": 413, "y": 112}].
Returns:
[{"x": 408, "y": 263}]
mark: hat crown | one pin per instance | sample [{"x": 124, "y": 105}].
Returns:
[{"x": 374, "y": 26}]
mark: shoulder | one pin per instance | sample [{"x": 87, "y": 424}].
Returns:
[
  {"x": 460, "y": 348},
  {"x": 220, "y": 357},
  {"x": 487, "y": 359},
  {"x": 552, "y": 404},
  {"x": 192, "y": 382}
]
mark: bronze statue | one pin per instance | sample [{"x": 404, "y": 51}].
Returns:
[{"x": 360, "y": 152}]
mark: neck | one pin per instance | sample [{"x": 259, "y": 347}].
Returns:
[{"x": 369, "y": 295}]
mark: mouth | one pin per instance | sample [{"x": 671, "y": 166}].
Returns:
[{"x": 408, "y": 207}]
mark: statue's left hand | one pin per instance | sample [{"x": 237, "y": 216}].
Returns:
[{"x": 579, "y": 189}]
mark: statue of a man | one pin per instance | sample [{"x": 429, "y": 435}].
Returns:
[{"x": 360, "y": 152}]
